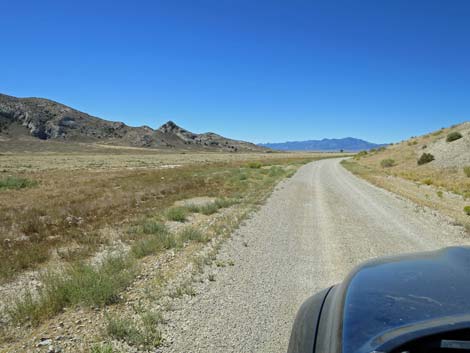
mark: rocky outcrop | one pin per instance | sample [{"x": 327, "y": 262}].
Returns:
[{"x": 48, "y": 120}]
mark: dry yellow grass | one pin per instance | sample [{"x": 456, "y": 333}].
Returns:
[
  {"x": 128, "y": 159},
  {"x": 83, "y": 202},
  {"x": 446, "y": 188}
]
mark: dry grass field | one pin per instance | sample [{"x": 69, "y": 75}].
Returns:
[
  {"x": 443, "y": 183},
  {"x": 63, "y": 214},
  {"x": 79, "y": 203}
]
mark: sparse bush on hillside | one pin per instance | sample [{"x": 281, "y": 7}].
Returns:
[
  {"x": 412, "y": 143},
  {"x": 453, "y": 136},
  {"x": 466, "y": 170},
  {"x": 425, "y": 158},
  {"x": 387, "y": 163},
  {"x": 16, "y": 183},
  {"x": 466, "y": 209},
  {"x": 360, "y": 154},
  {"x": 381, "y": 149},
  {"x": 427, "y": 181}
]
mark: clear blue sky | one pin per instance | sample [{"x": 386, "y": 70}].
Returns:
[{"x": 381, "y": 70}]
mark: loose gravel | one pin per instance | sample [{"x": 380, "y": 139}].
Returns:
[{"x": 310, "y": 233}]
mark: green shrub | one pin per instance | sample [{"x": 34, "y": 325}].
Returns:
[
  {"x": 152, "y": 318},
  {"x": 466, "y": 170},
  {"x": 453, "y": 136},
  {"x": 102, "y": 348},
  {"x": 254, "y": 165},
  {"x": 211, "y": 207},
  {"x": 177, "y": 214},
  {"x": 192, "y": 234},
  {"x": 153, "y": 227},
  {"x": 387, "y": 163},
  {"x": 224, "y": 203},
  {"x": 440, "y": 194},
  {"x": 122, "y": 329},
  {"x": 184, "y": 289},
  {"x": 16, "y": 183},
  {"x": 147, "y": 336},
  {"x": 466, "y": 209},
  {"x": 425, "y": 158},
  {"x": 155, "y": 238},
  {"x": 79, "y": 284},
  {"x": 208, "y": 208},
  {"x": 193, "y": 208},
  {"x": 276, "y": 171}
]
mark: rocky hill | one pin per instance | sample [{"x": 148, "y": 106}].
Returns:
[
  {"x": 449, "y": 147},
  {"x": 44, "y": 119},
  {"x": 348, "y": 144}
]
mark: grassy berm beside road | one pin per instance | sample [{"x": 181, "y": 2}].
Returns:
[
  {"x": 80, "y": 236},
  {"x": 433, "y": 170}
]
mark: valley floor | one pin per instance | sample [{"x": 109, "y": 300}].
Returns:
[
  {"x": 207, "y": 263},
  {"x": 91, "y": 244}
]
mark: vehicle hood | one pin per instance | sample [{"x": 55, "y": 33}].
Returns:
[{"x": 393, "y": 298}]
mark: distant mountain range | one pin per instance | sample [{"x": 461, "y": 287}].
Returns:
[
  {"x": 347, "y": 144},
  {"x": 44, "y": 119}
]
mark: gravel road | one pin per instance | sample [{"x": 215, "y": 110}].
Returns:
[{"x": 311, "y": 232}]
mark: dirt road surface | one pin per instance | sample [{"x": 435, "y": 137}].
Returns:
[{"x": 310, "y": 233}]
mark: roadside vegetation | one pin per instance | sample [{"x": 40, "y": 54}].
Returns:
[
  {"x": 211, "y": 207},
  {"x": 81, "y": 284},
  {"x": 427, "y": 169},
  {"x": 102, "y": 348},
  {"x": 144, "y": 334}
]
